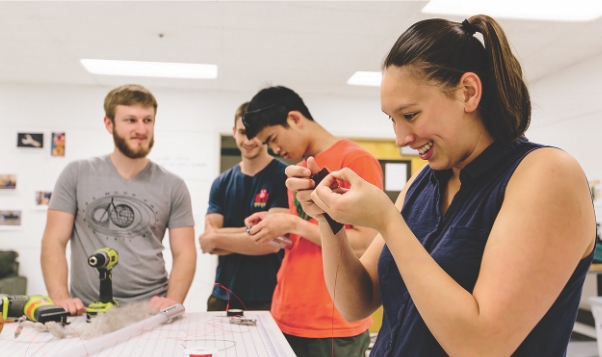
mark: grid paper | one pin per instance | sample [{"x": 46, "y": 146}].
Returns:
[{"x": 209, "y": 329}]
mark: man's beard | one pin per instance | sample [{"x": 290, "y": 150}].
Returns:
[{"x": 125, "y": 149}]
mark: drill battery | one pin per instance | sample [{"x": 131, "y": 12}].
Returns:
[{"x": 36, "y": 308}]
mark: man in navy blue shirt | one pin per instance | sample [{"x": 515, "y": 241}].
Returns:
[{"x": 246, "y": 271}]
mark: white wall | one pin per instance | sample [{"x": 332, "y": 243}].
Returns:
[
  {"x": 568, "y": 114},
  {"x": 187, "y": 133}
]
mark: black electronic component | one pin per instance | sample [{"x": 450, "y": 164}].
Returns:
[{"x": 334, "y": 225}]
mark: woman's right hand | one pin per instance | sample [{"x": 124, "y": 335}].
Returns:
[
  {"x": 362, "y": 204},
  {"x": 299, "y": 181}
]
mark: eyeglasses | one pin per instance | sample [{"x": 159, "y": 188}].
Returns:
[{"x": 254, "y": 121}]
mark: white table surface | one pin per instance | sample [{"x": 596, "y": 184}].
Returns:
[{"x": 208, "y": 329}]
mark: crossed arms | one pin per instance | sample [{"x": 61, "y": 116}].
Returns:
[{"x": 223, "y": 241}]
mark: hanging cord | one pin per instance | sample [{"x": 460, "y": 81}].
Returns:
[{"x": 334, "y": 295}]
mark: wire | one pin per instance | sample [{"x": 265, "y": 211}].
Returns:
[
  {"x": 334, "y": 294},
  {"x": 219, "y": 285}
]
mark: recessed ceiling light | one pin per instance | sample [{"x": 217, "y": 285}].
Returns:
[
  {"x": 574, "y": 10},
  {"x": 150, "y": 69},
  {"x": 364, "y": 78}
]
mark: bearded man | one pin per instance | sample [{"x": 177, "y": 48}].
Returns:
[{"x": 125, "y": 202}]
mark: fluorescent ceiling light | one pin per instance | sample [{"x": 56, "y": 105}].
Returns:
[
  {"x": 574, "y": 10},
  {"x": 363, "y": 78},
  {"x": 150, "y": 69}
]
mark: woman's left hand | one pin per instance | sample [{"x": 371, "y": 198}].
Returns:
[{"x": 362, "y": 204}]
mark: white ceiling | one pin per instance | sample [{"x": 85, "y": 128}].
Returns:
[{"x": 309, "y": 46}]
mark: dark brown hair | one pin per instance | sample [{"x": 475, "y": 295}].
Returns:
[
  {"x": 128, "y": 94},
  {"x": 240, "y": 111},
  {"x": 440, "y": 51}
]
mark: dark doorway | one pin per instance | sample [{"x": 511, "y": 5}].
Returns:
[{"x": 230, "y": 155}]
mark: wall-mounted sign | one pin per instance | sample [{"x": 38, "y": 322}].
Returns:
[
  {"x": 57, "y": 145},
  {"x": 30, "y": 140},
  {"x": 8, "y": 181},
  {"x": 10, "y": 219}
]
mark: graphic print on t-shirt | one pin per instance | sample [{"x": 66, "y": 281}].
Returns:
[
  {"x": 261, "y": 198},
  {"x": 120, "y": 216}
]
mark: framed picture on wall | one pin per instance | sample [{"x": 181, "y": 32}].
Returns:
[
  {"x": 30, "y": 140},
  {"x": 42, "y": 199},
  {"x": 10, "y": 219},
  {"x": 57, "y": 145},
  {"x": 395, "y": 174},
  {"x": 8, "y": 182}
]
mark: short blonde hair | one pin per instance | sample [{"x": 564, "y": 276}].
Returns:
[{"x": 128, "y": 94}]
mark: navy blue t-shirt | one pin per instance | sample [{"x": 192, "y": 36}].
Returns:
[
  {"x": 236, "y": 196},
  {"x": 456, "y": 242}
]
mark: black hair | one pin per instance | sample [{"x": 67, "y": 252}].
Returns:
[
  {"x": 440, "y": 51},
  {"x": 270, "y": 106}
]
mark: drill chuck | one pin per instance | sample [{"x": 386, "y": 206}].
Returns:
[
  {"x": 97, "y": 260},
  {"x": 105, "y": 258}
]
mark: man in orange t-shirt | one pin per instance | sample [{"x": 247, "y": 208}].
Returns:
[{"x": 301, "y": 305}]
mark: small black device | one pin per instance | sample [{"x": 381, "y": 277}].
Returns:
[{"x": 334, "y": 225}]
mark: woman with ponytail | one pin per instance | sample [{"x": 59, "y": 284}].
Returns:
[{"x": 496, "y": 233}]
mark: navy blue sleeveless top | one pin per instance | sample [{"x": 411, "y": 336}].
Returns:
[{"x": 456, "y": 242}]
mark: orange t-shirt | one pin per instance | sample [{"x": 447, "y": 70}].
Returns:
[{"x": 301, "y": 304}]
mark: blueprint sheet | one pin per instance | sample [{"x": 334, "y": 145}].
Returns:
[{"x": 209, "y": 329}]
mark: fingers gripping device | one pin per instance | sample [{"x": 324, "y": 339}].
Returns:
[
  {"x": 104, "y": 260},
  {"x": 334, "y": 225}
]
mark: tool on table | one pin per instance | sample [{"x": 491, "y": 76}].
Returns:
[
  {"x": 36, "y": 308},
  {"x": 334, "y": 225},
  {"x": 237, "y": 318},
  {"x": 104, "y": 259}
]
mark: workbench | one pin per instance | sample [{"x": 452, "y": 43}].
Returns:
[{"x": 208, "y": 329}]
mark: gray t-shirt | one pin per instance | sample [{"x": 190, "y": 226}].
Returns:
[{"x": 130, "y": 216}]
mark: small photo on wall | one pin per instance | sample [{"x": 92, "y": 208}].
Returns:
[
  {"x": 30, "y": 140},
  {"x": 8, "y": 182},
  {"x": 10, "y": 218},
  {"x": 43, "y": 198},
  {"x": 57, "y": 147}
]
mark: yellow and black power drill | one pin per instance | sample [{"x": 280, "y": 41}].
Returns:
[
  {"x": 104, "y": 259},
  {"x": 36, "y": 308}
]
